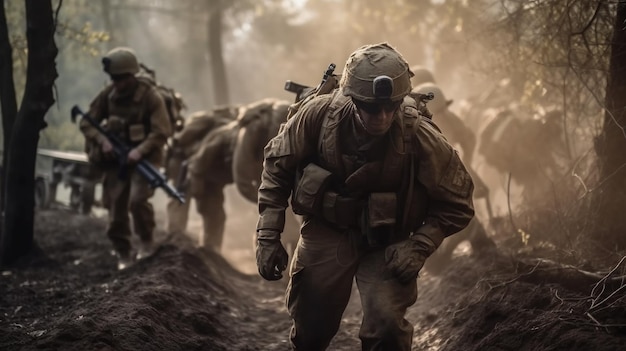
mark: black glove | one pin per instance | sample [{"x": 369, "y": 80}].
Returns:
[
  {"x": 271, "y": 257},
  {"x": 406, "y": 258}
]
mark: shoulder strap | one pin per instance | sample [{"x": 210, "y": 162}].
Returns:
[
  {"x": 327, "y": 142},
  {"x": 411, "y": 119}
]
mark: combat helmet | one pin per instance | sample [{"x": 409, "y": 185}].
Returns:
[
  {"x": 121, "y": 60},
  {"x": 421, "y": 75},
  {"x": 439, "y": 102},
  {"x": 376, "y": 73}
]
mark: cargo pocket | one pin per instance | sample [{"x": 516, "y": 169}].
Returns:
[
  {"x": 294, "y": 290},
  {"x": 136, "y": 133},
  {"x": 310, "y": 190}
]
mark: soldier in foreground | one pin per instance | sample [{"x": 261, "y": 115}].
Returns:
[
  {"x": 133, "y": 110},
  {"x": 379, "y": 189}
]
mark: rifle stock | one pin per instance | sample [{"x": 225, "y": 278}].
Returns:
[
  {"x": 146, "y": 169},
  {"x": 328, "y": 83}
]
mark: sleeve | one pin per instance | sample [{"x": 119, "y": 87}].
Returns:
[
  {"x": 296, "y": 142},
  {"x": 448, "y": 184},
  {"x": 97, "y": 111},
  {"x": 160, "y": 127}
]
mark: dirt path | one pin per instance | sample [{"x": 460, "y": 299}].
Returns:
[{"x": 72, "y": 298}]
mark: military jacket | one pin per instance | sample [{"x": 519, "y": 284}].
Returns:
[
  {"x": 442, "y": 187},
  {"x": 138, "y": 117}
]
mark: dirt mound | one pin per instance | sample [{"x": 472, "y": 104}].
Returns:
[
  {"x": 69, "y": 296},
  {"x": 180, "y": 298},
  {"x": 486, "y": 303}
]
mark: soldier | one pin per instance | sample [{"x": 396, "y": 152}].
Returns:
[
  {"x": 132, "y": 109},
  {"x": 379, "y": 189},
  {"x": 531, "y": 150},
  {"x": 231, "y": 151},
  {"x": 455, "y": 130},
  {"x": 421, "y": 75},
  {"x": 185, "y": 143},
  {"x": 451, "y": 125}
]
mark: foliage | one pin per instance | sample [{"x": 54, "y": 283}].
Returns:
[{"x": 556, "y": 53}]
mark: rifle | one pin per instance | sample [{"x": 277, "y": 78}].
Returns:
[
  {"x": 147, "y": 170},
  {"x": 422, "y": 100},
  {"x": 302, "y": 91}
]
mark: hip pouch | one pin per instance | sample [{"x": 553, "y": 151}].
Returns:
[
  {"x": 378, "y": 219},
  {"x": 309, "y": 193}
]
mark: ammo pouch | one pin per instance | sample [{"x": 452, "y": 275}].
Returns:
[
  {"x": 136, "y": 133},
  {"x": 309, "y": 194},
  {"x": 342, "y": 211},
  {"x": 379, "y": 218}
]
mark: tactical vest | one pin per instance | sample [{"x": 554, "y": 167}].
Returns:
[
  {"x": 398, "y": 167},
  {"x": 127, "y": 116},
  {"x": 398, "y": 147}
]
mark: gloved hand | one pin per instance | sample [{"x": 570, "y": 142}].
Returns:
[
  {"x": 406, "y": 258},
  {"x": 271, "y": 257}
]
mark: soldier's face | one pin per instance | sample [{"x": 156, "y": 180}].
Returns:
[
  {"x": 376, "y": 118},
  {"x": 122, "y": 81}
]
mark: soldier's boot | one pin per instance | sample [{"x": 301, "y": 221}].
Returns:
[
  {"x": 144, "y": 224},
  {"x": 145, "y": 249},
  {"x": 124, "y": 260}
]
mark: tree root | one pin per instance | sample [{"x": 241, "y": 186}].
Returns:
[{"x": 543, "y": 271}]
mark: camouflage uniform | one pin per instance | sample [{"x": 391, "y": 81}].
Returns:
[
  {"x": 425, "y": 179},
  {"x": 138, "y": 117}
]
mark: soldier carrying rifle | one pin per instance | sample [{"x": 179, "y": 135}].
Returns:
[{"x": 131, "y": 109}]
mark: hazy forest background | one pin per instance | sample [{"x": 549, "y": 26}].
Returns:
[
  {"x": 534, "y": 55},
  {"x": 470, "y": 46}
]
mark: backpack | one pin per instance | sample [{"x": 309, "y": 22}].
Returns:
[
  {"x": 304, "y": 94},
  {"x": 173, "y": 100}
]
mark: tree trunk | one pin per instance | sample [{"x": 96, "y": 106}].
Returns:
[
  {"x": 220, "y": 84},
  {"x": 611, "y": 143},
  {"x": 7, "y": 97},
  {"x": 17, "y": 233}
]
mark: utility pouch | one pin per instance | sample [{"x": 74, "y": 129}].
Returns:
[
  {"x": 115, "y": 124},
  {"x": 136, "y": 133},
  {"x": 309, "y": 194},
  {"x": 379, "y": 218},
  {"x": 344, "y": 212},
  {"x": 95, "y": 156}
]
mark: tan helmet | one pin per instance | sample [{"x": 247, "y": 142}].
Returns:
[
  {"x": 421, "y": 75},
  {"x": 439, "y": 102},
  {"x": 121, "y": 60},
  {"x": 376, "y": 73}
]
